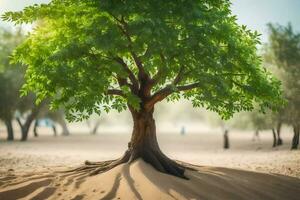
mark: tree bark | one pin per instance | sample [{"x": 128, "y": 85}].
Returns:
[
  {"x": 295, "y": 141},
  {"x": 9, "y": 128},
  {"x": 226, "y": 140},
  {"x": 278, "y": 130},
  {"x": 143, "y": 145},
  {"x": 274, "y": 138}
]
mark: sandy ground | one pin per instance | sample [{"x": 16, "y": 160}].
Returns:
[
  {"x": 46, "y": 151},
  {"x": 46, "y": 154}
]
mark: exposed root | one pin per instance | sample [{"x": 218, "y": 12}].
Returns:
[{"x": 155, "y": 158}]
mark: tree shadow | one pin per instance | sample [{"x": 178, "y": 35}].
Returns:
[
  {"x": 130, "y": 181},
  {"x": 23, "y": 191},
  {"x": 224, "y": 183},
  {"x": 46, "y": 193},
  {"x": 112, "y": 193}
]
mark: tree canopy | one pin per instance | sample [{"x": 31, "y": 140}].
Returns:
[
  {"x": 10, "y": 75},
  {"x": 101, "y": 55},
  {"x": 283, "y": 52}
]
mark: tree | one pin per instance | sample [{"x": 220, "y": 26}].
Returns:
[
  {"x": 57, "y": 116},
  {"x": 267, "y": 121},
  {"x": 8, "y": 102},
  {"x": 9, "y": 79},
  {"x": 28, "y": 111},
  {"x": 284, "y": 53},
  {"x": 103, "y": 55}
]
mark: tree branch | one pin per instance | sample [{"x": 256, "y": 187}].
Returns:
[
  {"x": 115, "y": 92},
  {"x": 123, "y": 26},
  {"x": 189, "y": 87},
  {"x": 179, "y": 76},
  {"x": 132, "y": 77},
  {"x": 156, "y": 78},
  {"x": 165, "y": 92}
]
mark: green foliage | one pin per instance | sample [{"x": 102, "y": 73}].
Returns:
[
  {"x": 284, "y": 53},
  {"x": 8, "y": 96},
  {"x": 71, "y": 55},
  {"x": 10, "y": 79}
]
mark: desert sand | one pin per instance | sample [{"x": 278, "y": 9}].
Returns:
[
  {"x": 140, "y": 181},
  {"x": 249, "y": 170}
]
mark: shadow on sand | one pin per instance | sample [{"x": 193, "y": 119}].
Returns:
[{"x": 140, "y": 181}]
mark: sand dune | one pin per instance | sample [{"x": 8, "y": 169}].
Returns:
[{"x": 140, "y": 181}]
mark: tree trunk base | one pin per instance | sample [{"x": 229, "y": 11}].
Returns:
[{"x": 155, "y": 158}]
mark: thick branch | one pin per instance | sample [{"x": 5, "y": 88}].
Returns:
[
  {"x": 179, "y": 76},
  {"x": 122, "y": 81},
  {"x": 156, "y": 78},
  {"x": 123, "y": 26},
  {"x": 158, "y": 96},
  {"x": 168, "y": 90},
  {"x": 189, "y": 87},
  {"x": 132, "y": 78},
  {"x": 115, "y": 92}
]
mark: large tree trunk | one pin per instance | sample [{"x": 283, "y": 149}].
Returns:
[
  {"x": 295, "y": 141},
  {"x": 143, "y": 145},
  {"x": 226, "y": 140},
  {"x": 274, "y": 138},
  {"x": 278, "y": 130},
  {"x": 9, "y": 128}
]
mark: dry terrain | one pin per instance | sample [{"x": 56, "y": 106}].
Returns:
[{"x": 29, "y": 169}]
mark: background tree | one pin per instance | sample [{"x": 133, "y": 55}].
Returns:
[
  {"x": 9, "y": 78},
  {"x": 57, "y": 116},
  {"x": 12, "y": 79},
  {"x": 267, "y": 121},
  {"x": 28, "y": 111},
  {"x": 284, "y": 53},
  {"x": 8, "y": 96},
  {"x": 103, "y": 55}
]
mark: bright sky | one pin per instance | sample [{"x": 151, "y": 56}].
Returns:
[{"x": 253, "y": 13}]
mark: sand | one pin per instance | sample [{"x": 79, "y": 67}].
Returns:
[
  {"x": 249, "y": 170},
  {"x": 140, "y": 180}
]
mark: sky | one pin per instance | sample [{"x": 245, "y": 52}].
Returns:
[{"x": 253, "y": 13}]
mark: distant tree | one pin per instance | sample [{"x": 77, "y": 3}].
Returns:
[
  {"x": 225, "y": 126},
  {"x": 103, "y": 55},
  {"x": 9, "y": 78},
  {"x": 93, "y": 126},
  {"x": 284, "y": 53},
  {"x": 8, "y": 96},
  {"x": 267, "y": 121},
  {"x": 57, "y": 117},
  {"x": 28, "y": 112},
  {"x": 226, "y": 139}
]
